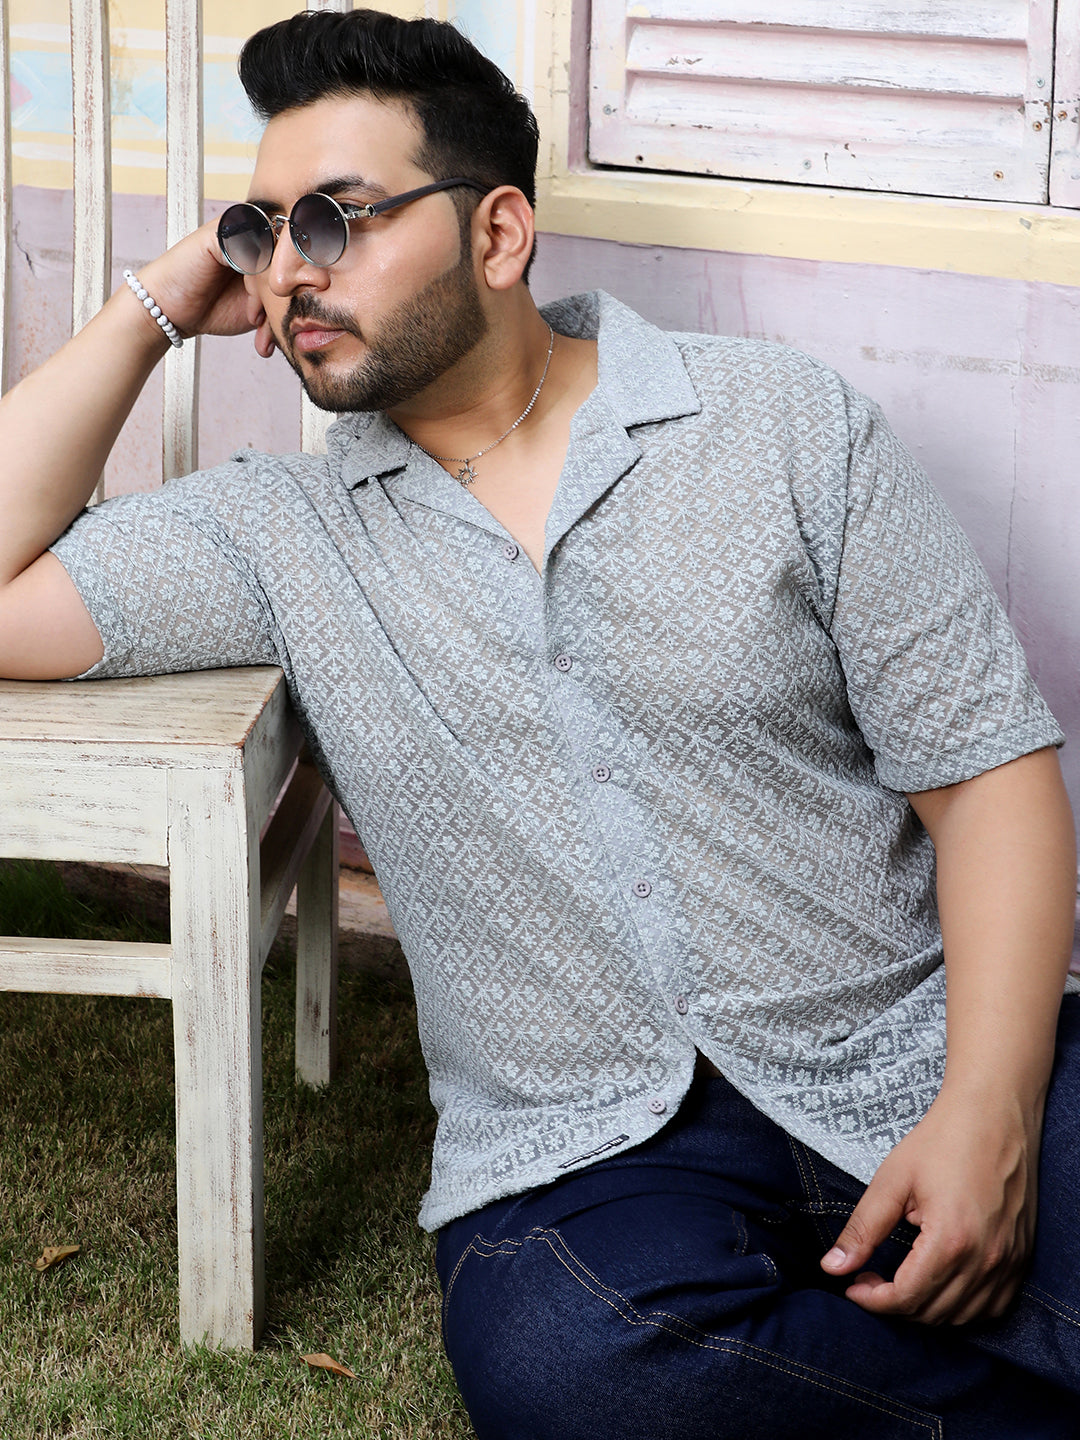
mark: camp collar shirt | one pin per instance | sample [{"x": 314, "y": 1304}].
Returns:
[{"x": 648, "y": 800}]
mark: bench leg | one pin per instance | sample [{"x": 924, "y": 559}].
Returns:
[
  {"x": 217, "y": 1026},
  {"x": 317, "y": 957}
]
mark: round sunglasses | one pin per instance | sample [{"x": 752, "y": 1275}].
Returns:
[{"x": 318, "y": 226}]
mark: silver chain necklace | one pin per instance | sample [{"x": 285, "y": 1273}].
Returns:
[{"x": 466, "y": 475}]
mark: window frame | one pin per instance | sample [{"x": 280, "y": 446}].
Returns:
[{"x": 1005, "y": 239}]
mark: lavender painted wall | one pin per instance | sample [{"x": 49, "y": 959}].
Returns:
[
  {"x": 981, "y": 378},
  {"x": 243, "y": 400}
]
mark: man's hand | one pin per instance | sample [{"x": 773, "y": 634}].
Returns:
[
  {"x": 198, "y": 291},
  {"x": 966, "y": 1176}
]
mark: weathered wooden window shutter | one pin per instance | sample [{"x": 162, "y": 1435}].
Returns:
[
  {"x": 939, "y": 97},
  {"x": 1065, "y": 160}
]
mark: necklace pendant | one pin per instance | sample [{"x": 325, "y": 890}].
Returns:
[{"x": 466, "y": 475}]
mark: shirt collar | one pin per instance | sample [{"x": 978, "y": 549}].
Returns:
[
  {"x": 641, "y": 373},
  {"x": 641, "y": 380}
]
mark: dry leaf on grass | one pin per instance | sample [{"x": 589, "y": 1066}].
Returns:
[
  {"x": 53, "y": 1254},
  {"x": 327, "y": 1362}
]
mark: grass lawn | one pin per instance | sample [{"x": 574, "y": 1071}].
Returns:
[{"x": 90, "y": 1348}]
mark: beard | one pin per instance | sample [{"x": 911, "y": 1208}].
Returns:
[{"x": 415, "y": 344}]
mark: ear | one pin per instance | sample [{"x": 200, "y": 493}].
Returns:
[{"x": 503, "y": 230}]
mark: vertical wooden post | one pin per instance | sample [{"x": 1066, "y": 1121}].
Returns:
[
  {"x": 1065, "y": 119},
  {"x": 217, "y": 1023},
  {"x": 317, "y": 956},
  {"x": 92, "y": 166},
  {"x": 5, "y": 191},
  {"x": 183, "y": 209},
  {"x": 314, "y": 422}
]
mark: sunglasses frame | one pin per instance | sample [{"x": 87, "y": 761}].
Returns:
[{"x": 346, "y": 212}]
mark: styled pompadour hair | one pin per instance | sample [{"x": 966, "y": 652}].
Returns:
[{"x": 473, "y": 120}]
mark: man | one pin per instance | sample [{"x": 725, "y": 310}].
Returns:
[{"x": 653, "y": 676}]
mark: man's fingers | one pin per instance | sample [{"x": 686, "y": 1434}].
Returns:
[
  {"x": 937, "y": 1284},
  {"x": 871, "y": 1222},
  {"x": 928, "y": 1287}
]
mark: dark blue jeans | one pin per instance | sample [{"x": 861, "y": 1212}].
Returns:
[{"x": 674, "y": 1293}]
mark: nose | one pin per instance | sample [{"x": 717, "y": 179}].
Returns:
[{"x": 288, "y": 269}]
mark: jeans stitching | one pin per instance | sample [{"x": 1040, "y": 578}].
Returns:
[
  {"x": 812, "y": 1188},
  {"x": 796, "y": 1150},
  {"x": 758, "y": 1353},
  {"x": 808, "y": 1157},
  {"x": 1051, "y": 1302},
  {"x": 493, "y": 1248}
]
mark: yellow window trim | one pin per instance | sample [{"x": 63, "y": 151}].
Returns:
[{"x": 972, "y": 237}]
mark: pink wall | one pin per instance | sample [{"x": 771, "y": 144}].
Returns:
[{"x": 981, "y": 377}]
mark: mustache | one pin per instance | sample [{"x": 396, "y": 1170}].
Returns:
[{"x": 304, "y": 306}]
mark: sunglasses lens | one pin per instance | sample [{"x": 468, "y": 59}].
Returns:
[
  {"x": 318, "y": 228},
  {"x": 246, "y": 238}
]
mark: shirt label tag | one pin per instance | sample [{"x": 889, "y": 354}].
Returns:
[{"x": 592, "y": 1154}]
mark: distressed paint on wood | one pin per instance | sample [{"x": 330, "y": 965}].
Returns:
[
  {"x": 314, "y": 424},
  {"x": 297, "y": 821},
  {"x": 959, "y": 105},
  {"x": 1065, "y": 140},
  {"x": 317, "y": 956},
  {"x": 998, "y": 20},
  {"x": 92, "y": 271},
  {"x": 183, "y": 212},
  {"x": 92, "y": 167},
  {"x": 86, "y": 967},
  {"x": 217, "y": 1025},
  {"x": 75, "y": 810},
  {"x": 197, "y": 708},
  {"x": 193, "y": 762}
]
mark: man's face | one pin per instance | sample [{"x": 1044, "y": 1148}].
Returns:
[{"x": 401, "y": 306}]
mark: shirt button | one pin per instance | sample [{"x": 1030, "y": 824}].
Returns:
[
  {"x": 601, "y": 773},
  {"x": 657, "y": 1105},
  {"x": 642, "y": 889},
  {"x": 682, "y": 1005},
  {"x": 510, "y": 550},
  {"x": 564, "y": 663}
]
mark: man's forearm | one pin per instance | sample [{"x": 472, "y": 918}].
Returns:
[
  {"x": 58, "y": 425},
  {"x": 1006, "y": 894},
  {"x": 966, "y": 1175}
]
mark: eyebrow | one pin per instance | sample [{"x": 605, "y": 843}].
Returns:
[{"x": 335, "y": 185}]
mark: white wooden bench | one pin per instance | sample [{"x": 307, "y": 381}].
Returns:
[
  {"x": 179, "y": 770},
  {"x": 182, "y": 771}
]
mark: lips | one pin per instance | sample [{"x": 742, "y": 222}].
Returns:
[{"x": 313, "y": 337}]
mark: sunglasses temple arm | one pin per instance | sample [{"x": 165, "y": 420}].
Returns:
[{"x": 396, "y": 200}]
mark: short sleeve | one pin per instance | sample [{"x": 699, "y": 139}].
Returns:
[
  {"x": 936, "y": 678},
  {"x": 169, "y": 578}
]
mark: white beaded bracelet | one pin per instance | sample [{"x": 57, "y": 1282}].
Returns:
[{"x": 140, "y": 292}]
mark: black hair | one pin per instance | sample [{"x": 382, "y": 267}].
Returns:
[{"x": 473, "y": 121}]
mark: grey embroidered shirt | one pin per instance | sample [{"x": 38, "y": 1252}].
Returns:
[{"x": 649, "y": 799}]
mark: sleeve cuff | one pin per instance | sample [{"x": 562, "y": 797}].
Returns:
[{"x": 964, "y": 763}]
